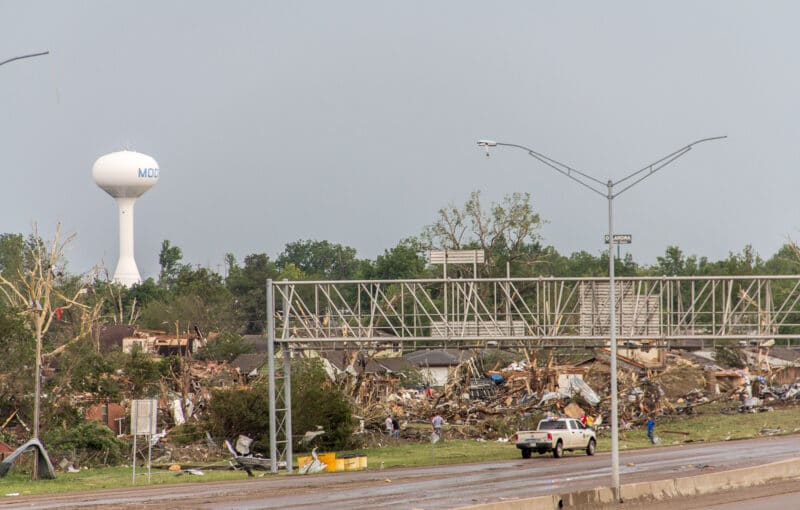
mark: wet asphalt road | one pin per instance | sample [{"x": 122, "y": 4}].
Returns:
[{"x": 432, "y": 487}]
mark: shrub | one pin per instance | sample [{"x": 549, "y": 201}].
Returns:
[
  {"x": 315, "y": 403},
  {"x": 144, "y": 374},
  {"x": 188, "y": 433},
  {"x": 93, "y": 442},
  {"x": 226, "y": 347},
  {"x": 413, "y": 378},
  {"x": 729, "y": 357},
  {"x": 234, "y": 412},
  {"x": 83, "y": 370}
]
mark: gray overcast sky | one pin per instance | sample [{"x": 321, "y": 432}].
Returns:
[{"x": 356, "y": 121}]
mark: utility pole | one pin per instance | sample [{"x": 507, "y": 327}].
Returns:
[{"x": 608, "y": 191}]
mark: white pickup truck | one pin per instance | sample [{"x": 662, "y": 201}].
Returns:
[{"x": 556, "y": 435}]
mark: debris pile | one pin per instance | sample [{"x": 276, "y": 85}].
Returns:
[{"x": 487, "y": 402}]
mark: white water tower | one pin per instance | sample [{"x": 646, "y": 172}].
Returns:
[{"x": 125, "y": 175}]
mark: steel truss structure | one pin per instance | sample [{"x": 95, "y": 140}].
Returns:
[{"x": 513, "y": 313}]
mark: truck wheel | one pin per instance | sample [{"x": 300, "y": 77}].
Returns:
[
  {"x": 558, "y": 451},
  {"x": 590, "y": 448},
  {"x": 526, "y": 453}
]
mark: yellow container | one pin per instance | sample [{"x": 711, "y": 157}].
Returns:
[
  {"x": 362, "y": 462},
  {"x": 329, "y": 459},
  {"x": 350, "y": 462},
  {"x": 302, "y": 461},
  {"x": 339, "y": 464}
]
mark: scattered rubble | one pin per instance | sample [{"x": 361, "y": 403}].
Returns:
[
  {"x": 486, "y": 402},
  {"x": 481, "y": 397}
]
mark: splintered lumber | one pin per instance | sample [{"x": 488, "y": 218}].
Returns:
[
  {"x": 5, "y": 423},
  {"x": 674, "y": 432}
]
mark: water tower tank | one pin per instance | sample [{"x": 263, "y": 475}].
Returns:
[{"x": 126, "y": 175}]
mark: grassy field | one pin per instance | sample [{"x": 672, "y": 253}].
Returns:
[
  {"x": 18, "y": 481},
  {"x": 708, "y": 425}
]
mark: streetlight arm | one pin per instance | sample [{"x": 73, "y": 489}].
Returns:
[
  {"x": 563, "y": 169},
  {"x": 25, "y": 56},
  {"x": 655, "y": 166}
]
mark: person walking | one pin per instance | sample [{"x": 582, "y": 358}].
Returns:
[
  {"x": 389, "y": 426},
  {"x": 437, "y": 421},
  {"x": 396, "y": 428},
  {"x": 651, "y": 425}
]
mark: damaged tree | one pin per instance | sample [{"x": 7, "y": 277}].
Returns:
[{"x": 39, "y": 294}]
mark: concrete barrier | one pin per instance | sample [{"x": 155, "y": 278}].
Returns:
[
  {"x": 548, "y": 502},
  {"x": 658, "y": 490}
]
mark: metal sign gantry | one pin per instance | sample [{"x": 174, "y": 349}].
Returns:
[{"x": 512, "y": 313}]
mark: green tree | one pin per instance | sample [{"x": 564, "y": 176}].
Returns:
[
  {"x": 785, "y": 261},
  {"x": 584, "y": 264},
  {"x": 673, "y": 263},
  {"x": 16, "y": 363},
  {"x": 292, "y": 273},
  {"x": 197, "y": 297},
  {"x": 745, "y": 263},
  {"x": 404, "y": 261},
  {"x": 225, "y": 347},
  {"x": 247, "y": 285},
  {"x": 12, "y": 249},
  {"x": 170, "y": 261},
  {"x": 144, "y": 293},
  {"x": 321, "y": 260}
]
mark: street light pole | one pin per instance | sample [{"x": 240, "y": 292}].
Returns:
[
  {"x": 38, "y": 384},
  {"x": 597, "y": 186},
  {"x": 38, "y": 363}
]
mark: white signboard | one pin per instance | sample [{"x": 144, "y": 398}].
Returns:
[
  {"x": 144, "y": 414},
  {"x": 456, "y": 256}
]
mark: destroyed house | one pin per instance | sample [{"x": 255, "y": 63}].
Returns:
[
  {"x": 435, "y": 364},
  {"x": 257, "y": 343},
  {"x": 781, "y": 364},
  {"x": 248, "y": 365},
  {"x": 772, "y": 357},
  {"x": 174, "y": 346},
  {"x": 111, "y": 415},
  {"x": 356, "y": 363},
  {"x": 785, "y": 353},
  {"x": 112, "y": 336}
]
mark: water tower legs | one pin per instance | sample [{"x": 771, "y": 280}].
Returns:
[{"x": 127, "y": 273}]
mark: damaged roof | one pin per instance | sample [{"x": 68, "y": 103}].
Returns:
[
  {"x": 248, "y": 363},
  {"x": 340, "y": 359},
  {"x": 438, "y": 357},
  {"x": 111, "y": 336},
  {"x": 780, "y": 352},
  {"x": 257, "y": 342}
]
